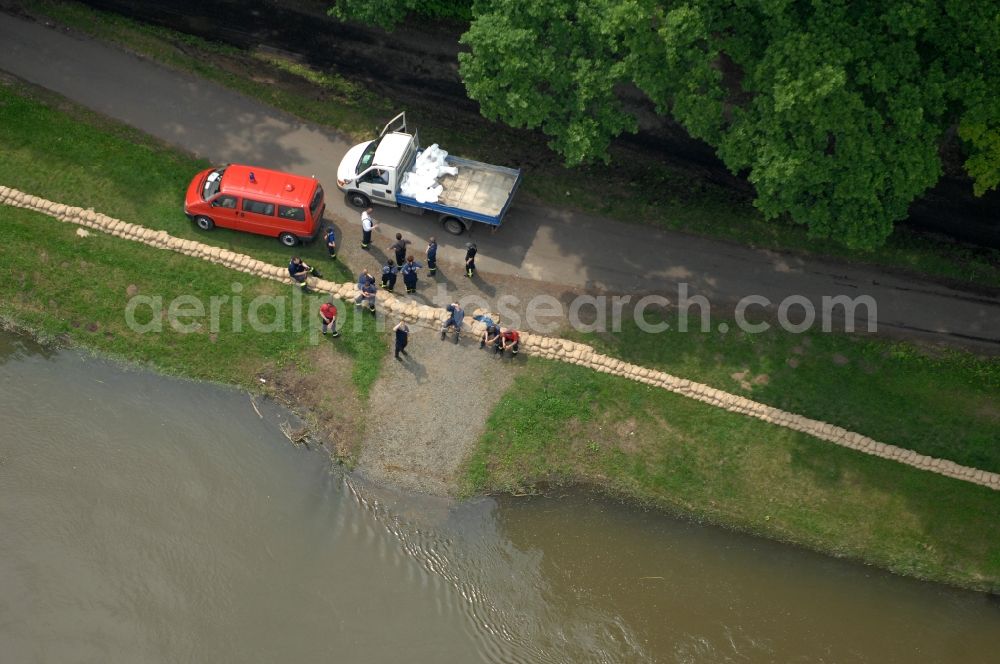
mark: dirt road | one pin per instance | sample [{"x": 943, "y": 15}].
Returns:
[{"x": 557, "y": 247}]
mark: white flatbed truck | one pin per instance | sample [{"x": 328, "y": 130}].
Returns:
[{"x": 371, "y": 173}]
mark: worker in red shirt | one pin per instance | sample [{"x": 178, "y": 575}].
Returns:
[
  {"x": 509, "y": 338},
  {"x": 328, "y": 316}
]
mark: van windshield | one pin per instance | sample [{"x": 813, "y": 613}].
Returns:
[
  {"x": 367, "y": 156},
  {"x": 212, "y": 183}
]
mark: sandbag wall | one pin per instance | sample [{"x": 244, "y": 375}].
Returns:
[{"x": 550, "y": 348}]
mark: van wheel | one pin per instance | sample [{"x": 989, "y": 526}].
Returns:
[
  {"x": 453, "y": 225},
  {"x": 288, "y": 239},
  {"x": 204, "y": 223},
  {"x": 359, "y": 200}
]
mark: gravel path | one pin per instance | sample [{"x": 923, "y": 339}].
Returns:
[{"x": 429, "y": 409}]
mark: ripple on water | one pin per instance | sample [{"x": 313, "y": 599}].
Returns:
[{"x": 147, "y": 519}]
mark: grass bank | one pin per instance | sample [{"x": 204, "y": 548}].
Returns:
[
  {"x": 73, "y": 290},
  {"x": 943, "y": 403},
  {"x": 634, "y": 188},
  {"x": 85, "y": 160},
  {"x": 563, "y": 423}
]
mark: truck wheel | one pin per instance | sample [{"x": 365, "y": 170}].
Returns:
[
  {"x": 204, "y": 223},
  {"x": 359, "y": 200},
  {"x": 288, "y": 239},
  {"x": 453, "y": 225}
]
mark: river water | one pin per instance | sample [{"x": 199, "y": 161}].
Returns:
[{"x": 148, "y": 519}]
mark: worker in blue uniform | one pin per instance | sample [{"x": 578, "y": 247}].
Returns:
[
  {"x": 432, "y": 254},
  {"x": 409, "y": 271},
  {"x": 389, "y": 271},
  {"x": 402, "y": 331},
  {"x": 300, "y": 273},
  {"x": 470, "y": 259},
  {"x": 456, "y": 314},
  {"x": 331, "y": 243},
  {"x": 367, "y": 295}
]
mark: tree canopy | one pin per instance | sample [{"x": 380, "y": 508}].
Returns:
[{"x": 834, "y": 110}]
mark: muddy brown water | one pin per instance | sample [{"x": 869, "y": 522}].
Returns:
[{"x": 148, "y": 519}]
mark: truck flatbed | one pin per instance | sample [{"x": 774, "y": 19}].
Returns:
[{"x": 480, "y": 192}]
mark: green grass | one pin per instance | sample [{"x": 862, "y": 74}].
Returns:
[
  {"x": 86, "y": 161},
  {"x": 343, "y": 88},
  {"x": 564, "y": 423},
  {"x": 62, "y": 152},
  {"x": 944, "y": 403},
  {"x": 365, "y": 345},
  {"x": 66, "y": 287},
  {"x": 632, "y": 188}
]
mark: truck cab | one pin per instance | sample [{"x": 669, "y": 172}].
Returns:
[{"x": 370, "y": 172}]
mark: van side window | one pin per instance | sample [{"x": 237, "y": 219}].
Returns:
[
  {"x": 258, "y": 207},
  {"x": 225, "y": 202},
  {"x": 293, "y": 213}
]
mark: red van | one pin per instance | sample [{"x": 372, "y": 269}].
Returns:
[{"x": 257, "y": 200}]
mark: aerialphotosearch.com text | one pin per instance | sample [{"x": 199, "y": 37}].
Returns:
[{"x": 542, "y": 314}]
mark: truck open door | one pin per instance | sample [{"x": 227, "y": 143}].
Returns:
[{"x": 398, "y": 123}]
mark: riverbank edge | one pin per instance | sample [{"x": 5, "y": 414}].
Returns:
[
  {"x": 549, "y": 348},
  {"x": 545, "y": 486},
  {"x": 610, "y": 491},
  {"x": 916, "y": 256},
  {"x": 915, "y": 551},
  {"x": 49, "y": 342}
]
